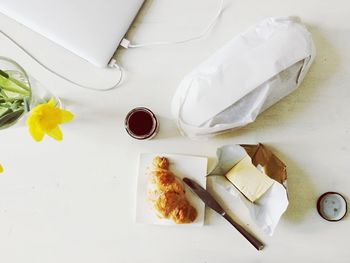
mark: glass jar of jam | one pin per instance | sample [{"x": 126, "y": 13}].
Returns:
[{"x": 141, "y": 123}]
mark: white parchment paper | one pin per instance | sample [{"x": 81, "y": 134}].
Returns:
[
  {"x": 245, "y": 77},
  {"x": 266, "y": 211}
]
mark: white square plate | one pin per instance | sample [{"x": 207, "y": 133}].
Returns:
[{"x": 182, "y": 166}]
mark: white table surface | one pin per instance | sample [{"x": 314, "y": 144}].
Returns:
[{"x": 74, "y": 201}]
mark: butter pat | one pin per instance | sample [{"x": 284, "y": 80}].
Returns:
[{"x": 251, "y": 182}]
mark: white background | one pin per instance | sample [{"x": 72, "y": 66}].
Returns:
[{"x": 74, "y": 201}]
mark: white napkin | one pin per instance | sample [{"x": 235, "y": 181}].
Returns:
[{"x": 245, "y": 77}]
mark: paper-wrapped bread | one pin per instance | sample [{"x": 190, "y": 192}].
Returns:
[{"x": 245, "y": 77}]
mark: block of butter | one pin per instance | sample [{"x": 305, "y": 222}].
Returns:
[{"x": 250, "y": 181}]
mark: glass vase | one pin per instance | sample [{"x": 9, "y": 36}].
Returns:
[{"x": 19, "y": 93}]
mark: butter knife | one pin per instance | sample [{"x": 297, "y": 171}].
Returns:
[{"x": 209, "y": 200}]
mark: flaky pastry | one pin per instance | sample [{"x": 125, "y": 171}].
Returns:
[{"x": 168, "y": 194}]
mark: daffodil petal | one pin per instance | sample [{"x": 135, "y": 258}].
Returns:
[
  {"x": 67, "y": 116},
  {"x": 51, "y": 102},
  {"x": 29, "y": 120},
  {"x": 45, "y": 118},
  {"x": 56, "y": 134},
  {"x": 1, "y": 169},
  {"x": 36, "y": 133}
]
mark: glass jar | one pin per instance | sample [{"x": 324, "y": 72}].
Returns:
[{"x": 141, "y": 123}]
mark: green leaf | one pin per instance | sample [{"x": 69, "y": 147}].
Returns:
[
  {"x": 9, "y": 85},
  {"x": 4, "y": 74},
  {"x": 5, "y": 111},
  {"x": 3, "y": 93},
  {"x": 10, "y": 117},
  {"x": 20, "y": 84}
]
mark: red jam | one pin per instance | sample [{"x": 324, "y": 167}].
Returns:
[{"x": 141, "y": 123}]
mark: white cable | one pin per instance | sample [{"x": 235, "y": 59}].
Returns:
[
  {"x": 112, "y": 64},
  {"x": 126, "y": 43}
]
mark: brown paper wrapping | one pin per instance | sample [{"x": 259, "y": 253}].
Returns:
[{"x": 261, "y": 155}]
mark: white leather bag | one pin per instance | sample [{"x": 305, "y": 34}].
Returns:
[{"x": 245, "y": 77}]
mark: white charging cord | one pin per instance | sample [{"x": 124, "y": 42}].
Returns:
[
  {"x": 112, "y": 64},
  {"x": 127, "y": 44},
  {"x": 124, "y": 43}
]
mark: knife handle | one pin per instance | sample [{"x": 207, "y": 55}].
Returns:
[{"x": 253, "y": 240}]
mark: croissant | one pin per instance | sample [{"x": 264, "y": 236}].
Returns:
[{"x": 168, "y": 194}]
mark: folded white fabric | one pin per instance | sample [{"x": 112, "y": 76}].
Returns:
[{"x": 245, "y": 77}]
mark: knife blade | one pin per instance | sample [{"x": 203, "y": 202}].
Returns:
[{"x": 209, "y": 200}]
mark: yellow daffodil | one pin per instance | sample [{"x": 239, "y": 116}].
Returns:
[
  {"x": 1, "y": 169},
  {"x": 45, "y": 118}
]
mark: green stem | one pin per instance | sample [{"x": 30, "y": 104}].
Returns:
[
  {"x": 9, "y": 85},
  {"x": 2, "y": 92},
  {"x": 3, "y": 99},
  {"x": 20, "y": 84}
]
